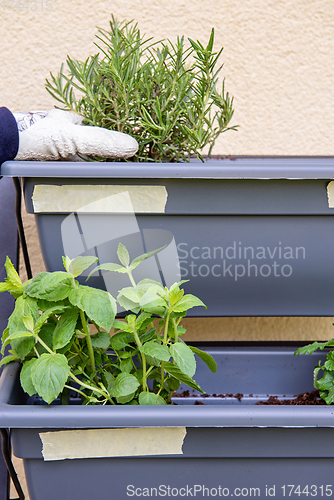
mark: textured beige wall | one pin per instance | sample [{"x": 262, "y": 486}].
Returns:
[{"x": 278, "y": 64}]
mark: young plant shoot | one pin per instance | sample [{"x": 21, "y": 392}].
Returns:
[{"x": 139, "y": 360}]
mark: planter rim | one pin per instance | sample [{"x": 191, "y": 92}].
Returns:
[
  {"x": 75, "y": 417},
  {"x": 242, "y": 167}
]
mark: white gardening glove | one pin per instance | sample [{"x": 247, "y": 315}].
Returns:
[{"x": 58, "y": 134}]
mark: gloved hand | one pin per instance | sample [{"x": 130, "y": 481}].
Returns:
[{"x": 58, "y": 134}]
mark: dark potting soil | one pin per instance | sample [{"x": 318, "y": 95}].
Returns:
[{"x": 306, "y": 398}]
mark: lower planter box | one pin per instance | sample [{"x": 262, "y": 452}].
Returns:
[{"x": 231, "y": 447}]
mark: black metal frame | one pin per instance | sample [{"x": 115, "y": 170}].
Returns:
[{"x": 5, "y": 437}]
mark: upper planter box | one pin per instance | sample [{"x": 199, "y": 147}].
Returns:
[{"x": 257, "y": 239}]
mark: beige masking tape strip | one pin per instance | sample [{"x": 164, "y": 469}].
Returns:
[
  {"x": 97, "y": 443},
  {"x": 104, "y": 198},
  {"x": 330, "y": 194}
]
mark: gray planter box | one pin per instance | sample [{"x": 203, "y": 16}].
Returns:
[
  {"x": 228, "y": 444},
  {"x": 253, "y": 235}
]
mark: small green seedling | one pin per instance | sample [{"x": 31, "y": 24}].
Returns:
[
  {"x": 142, "y": 360},
  {"x": 326, "y": 383}
]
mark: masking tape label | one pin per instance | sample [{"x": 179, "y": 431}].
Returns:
[
  {"x": 104, "y": 198},
  {"x": 98, "y": 443},
  {"x": 330, "y": 194}
]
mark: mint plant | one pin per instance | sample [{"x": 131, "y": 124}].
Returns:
[
  {"x": 143, "y": 361},
  {"x": 326, "y": 383},
  {"x": 164, "y": 94}
]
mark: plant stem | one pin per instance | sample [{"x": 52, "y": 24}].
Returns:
[
  {"x": 88, "y": 340},
  {"x": 139, "y": 344}
]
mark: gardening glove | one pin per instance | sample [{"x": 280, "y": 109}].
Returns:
[{"x": 58, "y": 134}]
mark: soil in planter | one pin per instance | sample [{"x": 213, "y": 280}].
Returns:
[{"x": 306, "y": 398}]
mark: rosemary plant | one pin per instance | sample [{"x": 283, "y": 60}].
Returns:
[{"x": 162, "y": 93}]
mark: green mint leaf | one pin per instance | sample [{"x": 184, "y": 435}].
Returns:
[
  {"x": 156, "y": 350},
  {"x": 26, "y": 377},
  {"x": 123, "y": 400},
  {"x": 126, "y": 365},
  {"x": 149, "y": 398},
  {"x": 101, "y": 340},
  {"x": 66, "y": 263},
  {"x": 46, "y": 334},
  {"x": 184, "y": 358},
  {"x": 187, "y": 302},
  {"x": 109, "y": 267},
  {"x": 108, "y": 380},
  {"x": 5, "y": 287},
  {"x": 80, "y": 264},
  {"x": 46, "y": 314},
  {"x": 99, "y": 305},
  {"x": 122, "y": 325},
  {"x": 28, "y": 323},
  {"x": 119, "y": 341},
  {"x": 65, "y": 328},
  {"x": 125, "y": 384},
  {"x": 16, "y": 336},
  {"x": 49, "y": 374},
  {"x": 24, "y": 306},
  {"x": 12, "y": 276},
  {"x": 123, "y": 255},
  {"x": 140, "y": 259},
  {"x": 128, "y": 304},
  {"x": 8, "y": 359},
  {"x": 50, "y": 286},
  {"x": 175, "y": 372},
  {"x": 207, "y": 358}
]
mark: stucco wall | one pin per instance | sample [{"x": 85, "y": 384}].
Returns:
[{"x": 278, "y": 64}]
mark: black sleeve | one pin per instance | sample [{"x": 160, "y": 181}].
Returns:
[{"x": 9, "y": 135}]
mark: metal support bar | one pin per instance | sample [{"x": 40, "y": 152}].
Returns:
[
  {"x": 20, "y": 227},
  {"x": 9, "y": 463}
]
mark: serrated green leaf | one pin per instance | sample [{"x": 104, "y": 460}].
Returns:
[
  {"x": 99, "y": 305},
  {"x": 148, "y": 335},
  {"x": 46, "y": 334},
  {"x": 184, "y": 358},
  {"x": 108, "y": 267},
  {"x": 12, "y": 276},
  {"x": 329, "y": 365},
  {"x": 80, "y": 264},
  {"x": 26, "y": 377},
  {"x": 8, "y": 359},
  {"x": 109, "y": 380},
  {"x": 101, "y": 340},
  {"x": 119, "y": 341},
  {"x": 126, "y": 365},
  {"x": 122, "y": 325},
  {"x": 123, "y": 400},
  {"x": 173, "y": 384},
  {"x": 151, "y": 300},
  {"x": 155, "y": 350},
  {"x": 128, "y": 305},
  {"x": 187, "y": 302},
  {"x": 206, "y": 357},
  {"x": 66, "y": 263},
  {"x": 125, "y": 384},
  {"x": 44, "y": 305},
  {"x": 49, "y": 374},
  {"x": 149, "y": 398},
  {"x": 46, "y": 315},
  {"x": 28, "y": 323},
  {"x": 140, "y": 259},
  {"x": 18, "y": 335},
  {"x": 50, "y": 286},
  {"x": 326, "y": 382},
  {"x": 311, "y": 348},
  {"x": 65, "y": 328},
  {"x": 123, "y": 255},
  {"x": 175, "y": 372}
]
